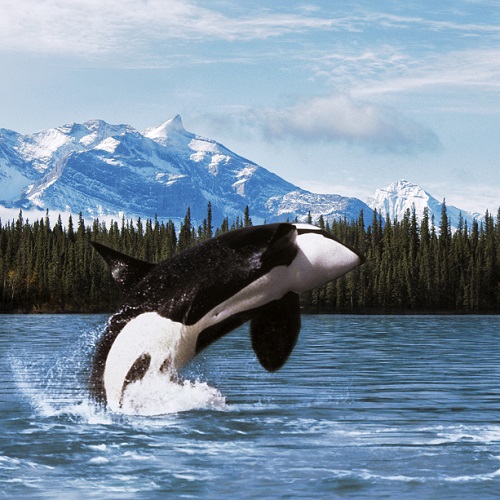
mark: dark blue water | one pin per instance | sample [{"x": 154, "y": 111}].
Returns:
[{"x": 367, "y": 407}]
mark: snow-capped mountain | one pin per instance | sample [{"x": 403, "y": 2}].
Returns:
[
  {"x": 113, "y": 170},
  {"x": 101, "y": 169},
  {"x": 402, "y": 195}
]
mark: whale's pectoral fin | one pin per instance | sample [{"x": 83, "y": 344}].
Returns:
[
  {"x": 126, "y": 271},
  {"x": 274, "y": 331}
]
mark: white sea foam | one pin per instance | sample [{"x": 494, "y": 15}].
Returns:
[
  {"x": 463, "y": 433},
  {"x": 160, "y": 395},
  {"x": 98, "y": 461},
  {"x": 163, "y": 397},
  {"x": 488, "y": 476}
]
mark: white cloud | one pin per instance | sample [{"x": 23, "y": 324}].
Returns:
[
  {"x": 106, "y": 26},
  {"x": 426, "y": 23},
  {"x": 389, "y": 69},
  {"x": 338, "y": 118},
  {"x": 459, "y": 81},
  {"x": 460, "y": 69}
]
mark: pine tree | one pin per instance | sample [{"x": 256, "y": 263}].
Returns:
[
  {"x": 407, "y": 266},
  {"x": 247, "y": 221},
  {"x": 185, "y": 234},
  {"x": 208, "y": 230}
]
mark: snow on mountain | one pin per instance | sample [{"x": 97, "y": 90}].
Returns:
[
  {"x": 25, "y": 159},
  {"x": 105, "y": 170},
  {"x": 113, "y": 170},
  {"x": 171, "y": 133},
  {"x": 400, "y": 196},
  {"x": 331, "y": 206}
]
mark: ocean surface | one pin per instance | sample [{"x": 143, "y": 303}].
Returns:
[{"x": 366, "y": 407}]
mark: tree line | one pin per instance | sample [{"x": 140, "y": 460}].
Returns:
[{"x": 411, "y": 265}]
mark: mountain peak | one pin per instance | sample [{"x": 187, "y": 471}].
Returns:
[
  {"x": 94, "y": 124},
  {"x": 396, "y": 198},
  {"x": 166, "y": 129},
  {"x": 403, "y": 186},
  {"x": 402, "y": 195},
  {"x": 175, "y": 123}
]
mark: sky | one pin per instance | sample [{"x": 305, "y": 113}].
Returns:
[{"x": 336, "y": 97}]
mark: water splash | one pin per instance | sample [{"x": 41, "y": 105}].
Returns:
[
  {"x": 159, "y": 395},
  {"x": 57, "y": 387}
]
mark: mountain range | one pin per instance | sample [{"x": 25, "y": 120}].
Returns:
[{"x": 105, "y": 170}]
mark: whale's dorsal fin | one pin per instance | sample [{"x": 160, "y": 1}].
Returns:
[
  {"x": 275, "y": 330},
  {"x": 126, "y": 271}
]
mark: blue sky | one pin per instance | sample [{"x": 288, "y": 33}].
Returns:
[{"x": 339, "y": 97}]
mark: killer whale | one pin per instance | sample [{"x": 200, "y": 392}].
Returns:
[{"x": 171, "y": 311}]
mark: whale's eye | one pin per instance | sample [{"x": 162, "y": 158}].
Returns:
[{"x": 138, "y": 369}]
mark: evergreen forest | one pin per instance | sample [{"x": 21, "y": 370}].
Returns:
[{"x": 412, "y": 265}]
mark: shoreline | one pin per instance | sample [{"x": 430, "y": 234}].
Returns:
[{"x": 304, "y": 311}]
